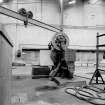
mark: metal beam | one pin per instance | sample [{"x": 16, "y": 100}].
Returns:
[
  {"x": 103, "y": 45},
  {"x": 35, "y": 22},
  {"x": 101, "y": 35}
]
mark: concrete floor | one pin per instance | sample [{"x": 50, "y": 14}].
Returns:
[{"x": 27, "y": 91}]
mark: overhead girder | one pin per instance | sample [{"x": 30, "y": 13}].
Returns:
[{"x": 16, "y": 15}]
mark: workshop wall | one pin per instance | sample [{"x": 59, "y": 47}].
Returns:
[{"x": 81, "y": 23}]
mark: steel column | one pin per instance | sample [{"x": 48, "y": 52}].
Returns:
[{"x": 61, "y": 8}]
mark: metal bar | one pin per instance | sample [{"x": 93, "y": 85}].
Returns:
[
  {"x": 102, "y": 45},
  {"x": 101, "y": 35},
  {"x": 92, "y": 77},
  {"x": 101, "y": 70},
  {"x": 35, "y": 22},
  {"x": 97, "y": 52},
  {"x": 2, "y": 34},
  {"x": 98, "y": 83}
]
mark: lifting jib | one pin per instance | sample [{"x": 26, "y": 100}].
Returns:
[{"x": 16, "y": 15}]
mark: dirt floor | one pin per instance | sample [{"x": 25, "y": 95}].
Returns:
[{"x": 28, "y": 91}]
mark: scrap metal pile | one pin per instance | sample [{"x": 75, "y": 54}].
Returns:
[{"x": 89, "y": 93}]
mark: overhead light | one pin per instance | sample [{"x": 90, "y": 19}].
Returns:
[
  {"x": 5, "y": 1},
  {"x": 72, "y": 2},
  {"x": 1, "y": 1}
]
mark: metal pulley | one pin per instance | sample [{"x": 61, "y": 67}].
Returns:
[
  {"x": 27, "y": 14},
  {"x": 60, "y": 41},
  {"x": 22, "y": 11}
]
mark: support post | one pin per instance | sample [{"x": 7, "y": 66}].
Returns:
[{"x": 61, "y": 8}]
